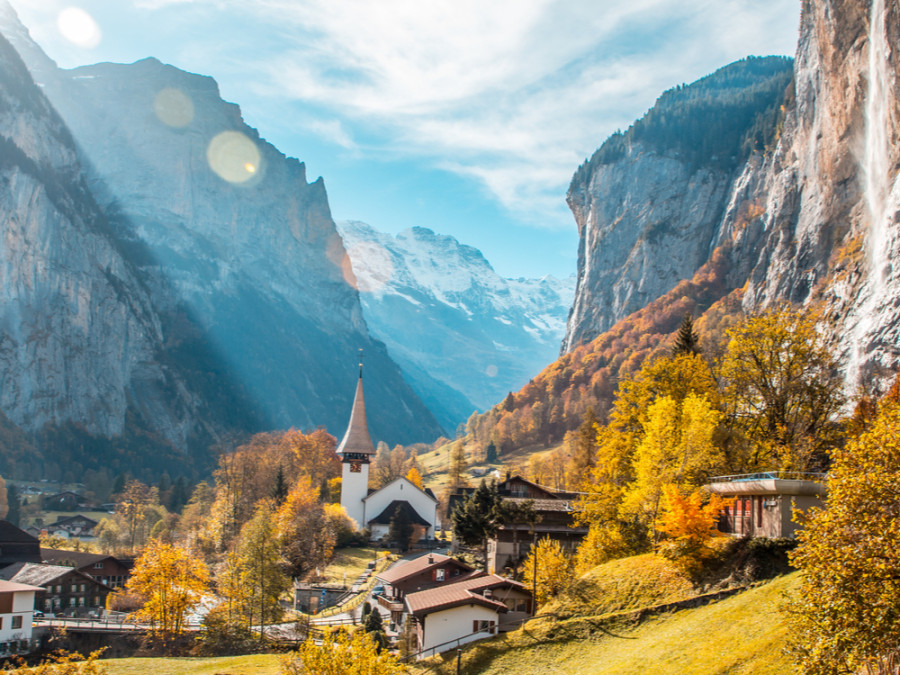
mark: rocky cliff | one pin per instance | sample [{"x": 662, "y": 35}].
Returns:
[
  {"x": 464, "y": 335},
  {"x": 808, "y": 216},
  {"x": 246, "y": 298}
]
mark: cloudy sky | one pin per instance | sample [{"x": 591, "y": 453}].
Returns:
[{"x": 465, "y": 116}]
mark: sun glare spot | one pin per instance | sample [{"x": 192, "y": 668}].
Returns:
[
  {"x": 491, "y": 371},
  {"x": 233, "y": 156},
  {"x": 173, "y": 107},
  {"x": 79, "y": 27}
]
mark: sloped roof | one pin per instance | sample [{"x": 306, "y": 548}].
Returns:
[
  {"x": 11, "y": 533},
  {"x": 69, "y": 519},
  {"x": 406, "y": 481},
  {"x": 79, "y": 559},
  {"x": 13, "y": 587},
  {"x": 464, "y": 592},
  {"x": 384, "y": 518},
  {"x": 357, "y": 439},
  {"x": 412, "y": 567},
  {"x": 36, "y": 574}
]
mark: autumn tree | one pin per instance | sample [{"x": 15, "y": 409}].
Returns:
[
  {"x": 552, "y": 566},
  {"x": 138, "y": 510},
  {"x": 458, "y": 464},
  {"x": 846, "y": 615},
  {"x": 414, "y": 477},
  {"x": 783, "y": 391},
  {"x": 359, "y": 655},
  {"x": 259, "y": 568},
  {"x": 689, "y": 526},
  {"x": 170, "y": 582},
  {"x": 304, "y": 533}
]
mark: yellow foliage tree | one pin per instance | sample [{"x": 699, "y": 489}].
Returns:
[
  {"x": 553, "y": 569},
  {"x": 306, "y": 537},
  {"x": 341, "y": 654},
  {"x": 690, "y": 526},
  {"x": 677, "y": 449},
  {"x": 171, "y": 582},
  {"x": 846, "y": 616},
  {"x": 414, "y": 477}
]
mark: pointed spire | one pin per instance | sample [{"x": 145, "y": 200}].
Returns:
[{"x": 357, "y": 439}]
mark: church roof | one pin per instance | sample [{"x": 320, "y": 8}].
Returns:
[
  {"x": 406, "y": 481},
  {"x": 384, "y": 518},
  {"x": 357, "y": 439}
]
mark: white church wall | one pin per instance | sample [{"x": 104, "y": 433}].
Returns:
[{"x": 354, "y": 486}]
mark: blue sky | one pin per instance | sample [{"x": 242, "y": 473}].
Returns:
[{"x": 465, "y": 116}]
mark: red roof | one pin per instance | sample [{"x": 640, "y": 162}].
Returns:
[
  {"x": 468, "y": 591},
  {"x": 412, "y": 567}
]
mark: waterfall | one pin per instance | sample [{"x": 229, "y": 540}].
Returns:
[
  {"x": 880, "y": 199},
  {"x": 876, "y": 163}
]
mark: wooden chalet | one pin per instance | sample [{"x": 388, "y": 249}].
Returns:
[
  {"x": 424, "y": 572},
  {"x": 108, "y": 570},
  {"x": 65, "y": 589}
]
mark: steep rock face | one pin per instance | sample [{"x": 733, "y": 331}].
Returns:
[
  {"x": 649, "y": 203},
  {"x": 451, "y": 322},
  {"x": 78, "y": 333},
  {"x": 239, "y": 252}
]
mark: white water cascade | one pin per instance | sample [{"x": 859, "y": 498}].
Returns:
[{"x": 881, "y": 200}]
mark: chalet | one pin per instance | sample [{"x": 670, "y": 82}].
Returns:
[
  {"x": 469, "y": 609},
  {"x": 16, "y": 617},
  {"x": 75, "y": 526},
  {"x": 63, "y": 501},
  {"x": 17, "y": 545},
  {"x": 108, "y": 570},
  {"x": 65, "y": 589},
  {"x": 424, "y": 572},
  {"x": 764, "y": 503},
  {"x": 556, "y": 520}
]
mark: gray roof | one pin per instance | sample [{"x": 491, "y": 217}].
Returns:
[
  {"x": 39, "y": 574},
  {"x": 357, "y": 439}
]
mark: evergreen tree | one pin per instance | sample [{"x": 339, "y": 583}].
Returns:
[
  {"x": 14, "y": 513},
  {"x": 478, "y": 518},
  {"x": 491, "y": 453},
  {"x": 400, "y": 529},
  {"x": 509, "y": 403},
  {"x": 280, "y": 489},
  {"x": 688, "y": 340}
]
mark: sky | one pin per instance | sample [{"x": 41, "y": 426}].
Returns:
[{"x": 468, "y": 117}]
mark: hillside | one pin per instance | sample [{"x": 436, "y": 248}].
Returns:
[{"x": 742, "y": 634}]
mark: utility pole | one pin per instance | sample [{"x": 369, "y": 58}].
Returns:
[
  {"x": 458, "y": 660},
  {"x": 534, "y": 573}
]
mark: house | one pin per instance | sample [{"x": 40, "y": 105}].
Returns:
[
  {"x": 373, "y": 509},
  {"x": 16, "y": 617},
  {"x": 424, "y": 572},
  {"x": 75, "y": 526},
  {"x": 17, "y": 545},
  {"x": 108, "y": 570},
  {"x": 556, "y": 520},
  {"x": 65, "y": 589},
  {"x": 466, "y": 610},
  {"x": 63, "y": 501},
  {"x": 764, "y": 503}
]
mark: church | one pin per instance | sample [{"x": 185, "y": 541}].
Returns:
[{"x": 373, "y": 509}]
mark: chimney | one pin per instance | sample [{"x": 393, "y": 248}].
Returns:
[
  {"x": 430, "y": 558},
  {"x": 488, "y": 593}
]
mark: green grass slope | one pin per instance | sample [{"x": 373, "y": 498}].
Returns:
[
  {"x": 253, "y": 664},
  {"x": 742, "y": 634}
]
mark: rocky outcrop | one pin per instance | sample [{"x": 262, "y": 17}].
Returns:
[
  {"x": 648, "y": 206},
  {"x": 463, "y": 335},
  {"x": 813, "y": 218}
]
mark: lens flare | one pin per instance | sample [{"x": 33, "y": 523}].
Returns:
[
  {"x": 491, "y": 371},
  {"x": 234, "y": 157},
  {"x": 79, "y": 27},
  {"x": 173, "y": 107},
  {"x": 371, "y": 268}
]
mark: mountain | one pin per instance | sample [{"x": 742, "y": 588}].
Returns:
[
  {"x": 808, "y": 213},
  {"x": 463, "y": 335},
  {"x": 794, "y": 199},
  {"x": 221, "y": 298}
]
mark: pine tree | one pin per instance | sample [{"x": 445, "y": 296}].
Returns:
[
  {"x": 280, "y": 488},
  {"x": 14, "y": 513},
  {"x": 509, "y": 403},
  {"x": 491, "y": 453},
  {"x": 400, "y": 529},
  {"x": 688, "y": 340}
]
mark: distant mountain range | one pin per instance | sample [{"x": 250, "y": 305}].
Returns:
[{"x": 463, "y": 335}]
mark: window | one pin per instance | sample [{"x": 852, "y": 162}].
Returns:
[
  {"x": 81, "y": 588},
  {"x": 59, "y": 588},
  {"x": 440, "y": 574},
  {"x": 81, "y": 601},
  {"x": 483, "y": 626},
  {"x": 74, "y": 588},
  {"x": 16, "y": 622},
  {"x": 98, "y": 566}
]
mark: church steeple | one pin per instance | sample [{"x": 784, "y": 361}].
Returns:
[{"x": 357, "y": 439}]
